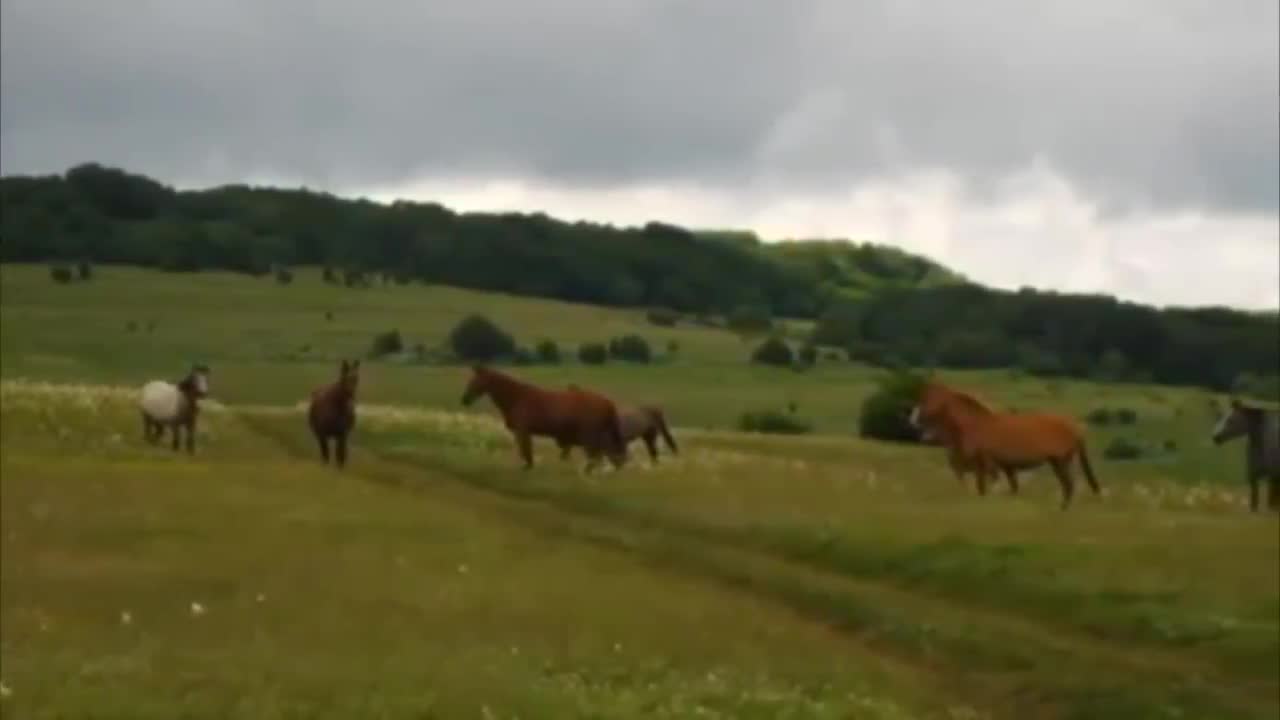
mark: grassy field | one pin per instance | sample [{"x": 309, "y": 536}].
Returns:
[{"x": 821, "y": 576}]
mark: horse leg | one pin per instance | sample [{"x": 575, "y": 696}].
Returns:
[
  {"x": 1273, "y": 492},
  {"x": 1012, "y": 476},
  {"x": 323, "y": 442},
  {"x": 177, "y": 429},
  {"x": 191, "y": 438},
  {"x": 524, "y": 444},
  {"x": 1065, "y": 479},
  {"x": 340, "y": 449},
  {"x": 651, "y": 442},
  {"x": 565, "y": 448},
  {"x": 1253, "y": 492}
]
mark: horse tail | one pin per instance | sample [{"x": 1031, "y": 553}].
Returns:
[
  {"x": 1088, "y": 468},
  {"x": 615, "y": 429},
  {"x": 661, "y": 421}
]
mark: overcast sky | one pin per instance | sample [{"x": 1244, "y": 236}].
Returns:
[{"x": 1128, "y": 147}]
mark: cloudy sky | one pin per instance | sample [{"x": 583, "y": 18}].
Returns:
[{"x": 1127, "y": 147}]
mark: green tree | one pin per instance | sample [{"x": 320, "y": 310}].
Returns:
[{"x": 477, "y": 339}]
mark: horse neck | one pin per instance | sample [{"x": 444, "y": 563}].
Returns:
[{"x": 505, "y": 390}]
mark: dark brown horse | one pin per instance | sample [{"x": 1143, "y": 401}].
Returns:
[
  {"x": 1261, "y": 427},
  {"x": 332, "y": 413},
  {"x": 1016, "y": 440},
  {"x": 577, "y": 417},
  {"x": 647, "y": 422}
]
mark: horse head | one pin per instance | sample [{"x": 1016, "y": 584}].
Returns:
[
  {"x": 477, "y": 386},
  {"x": 196, "y": 383},
  {"x": 1234, "y": 422},
  {"x": 349, "y": 376}
]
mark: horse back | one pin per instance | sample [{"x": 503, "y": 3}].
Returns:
[{"x": 1024, "y": 436}]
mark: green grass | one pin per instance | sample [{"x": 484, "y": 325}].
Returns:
[{"x": 817, "y": 576}]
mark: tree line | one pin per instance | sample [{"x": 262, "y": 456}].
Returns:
[
  {"x": 108, "y": 215},
  {"x": 880, "y": 304},
  {"x": 1050, "y": 334}
]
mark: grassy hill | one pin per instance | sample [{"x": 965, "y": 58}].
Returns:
[{"x": 821, "y": 576}]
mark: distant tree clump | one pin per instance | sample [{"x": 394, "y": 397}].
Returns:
[
  {"x": 386, "y": 343},
  {"x": 631, "y": 348},
  {"x": 84, "y": 271},
  {"x": 663, "y": 317},
  {"x": 547, "y": 352},
  {"x": 774, "y": 351},
  {"x": 283, "y": 275},
  {"x": 593, "y": 353},
  {"x": 1122, "y": 449},
  {"x": 774, "y": 422},
  {"x": 477, "y": 339},
  {"x": 60, "y": 274},
  {"x": 886, "y": 412},
  {"x": 750, "y": 319}
]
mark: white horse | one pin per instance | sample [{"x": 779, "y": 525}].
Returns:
[{"x": 174, "y": 405}]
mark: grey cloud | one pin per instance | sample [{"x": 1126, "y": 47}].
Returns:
[{"x": 1149, "y": 102}]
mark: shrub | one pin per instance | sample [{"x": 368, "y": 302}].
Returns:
[
  {"x": 60, "y": 274},
  {"x": 386, "y": 343},
  {"x": 663, "y": 317},
  {"x": 748, "y": 319},
  {"x": 330, "y": 276},
  {"x": 523, "y": 356},
  {"x": 886, "y": 412},
  {"x": 1122, "y": 449},
  {"x": 84, "y": 271},
  {"x": 1100, "y": 417},
  {"x": 773, "y": 351},
  {"x": 284, "y": 275},
  {"x": 808, "y": 356},
  {"x": 773, "y": 422},
  {"x": 547, "y": 352},
  {"x": 593, "y": 353},
  {"x": 673, "y": 347},
  {"x": 1125, "y": 416},
  {"x": 631, "y": 348},
  {"x": 477, "y": 339}
]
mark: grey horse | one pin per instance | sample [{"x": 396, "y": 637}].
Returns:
[{"x": 1262, "y": 454}]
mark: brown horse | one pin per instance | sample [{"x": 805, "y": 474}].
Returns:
[
  {"x": 1019, "y": 441},
  {"x": 647, "y": 422},
  {"x": 332, "y": 413},
  {"x": 948, "y": 437},
  {"x": 569, "y": 416}
]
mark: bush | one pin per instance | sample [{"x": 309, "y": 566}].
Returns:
[
  {"x": 1125, "y": 416},
  {"x": 1122, "y": 449},
  {"x": 477, "y": 339},
  {"x": 1100, "y": 417},
  {"x": 593, "y": 353},
  {"x": 663, "y": 317},
  {"x": 808, "y": 356},
  {"x": 886, "y": 412},
  {"x": 387, "y": 343},
  {"x": 773, "y": 351},
  {"x": 631, "y": 348},
  {"x": 547, "y": 352},
  {"x": 84, "y": 271},
  {"x": 330, "y": 276},
  {"x": 773, "y": 422},
  {"x": 523, "y": 356},
  {"x": 60, "y": 274},
  {"x": 748, "y": 319},
  {"x": 284, "y": 275}
]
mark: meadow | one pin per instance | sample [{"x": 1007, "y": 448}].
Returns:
[{"x": 818, "y": 576}]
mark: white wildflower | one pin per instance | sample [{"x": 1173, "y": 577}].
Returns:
[
  {"x": 126, "y": 618},
  {"x": 197, "y": 609},
  {"x": 463, "y": 569},
  {"x": 5, "y": 691}
]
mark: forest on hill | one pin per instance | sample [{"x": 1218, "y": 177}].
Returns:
[{"x": 882, "y": 305}]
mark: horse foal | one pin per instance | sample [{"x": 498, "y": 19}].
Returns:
[{"x": 173, "y": 405}]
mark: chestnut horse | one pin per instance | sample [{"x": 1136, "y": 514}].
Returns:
[
  {"x": 948, "y": 437},
  {"x": 1017, "y": 440},
  {"x": 637, "y": 421},
  {"x": 574, "y": 416},
  {"x": 332, "y": 413}
]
